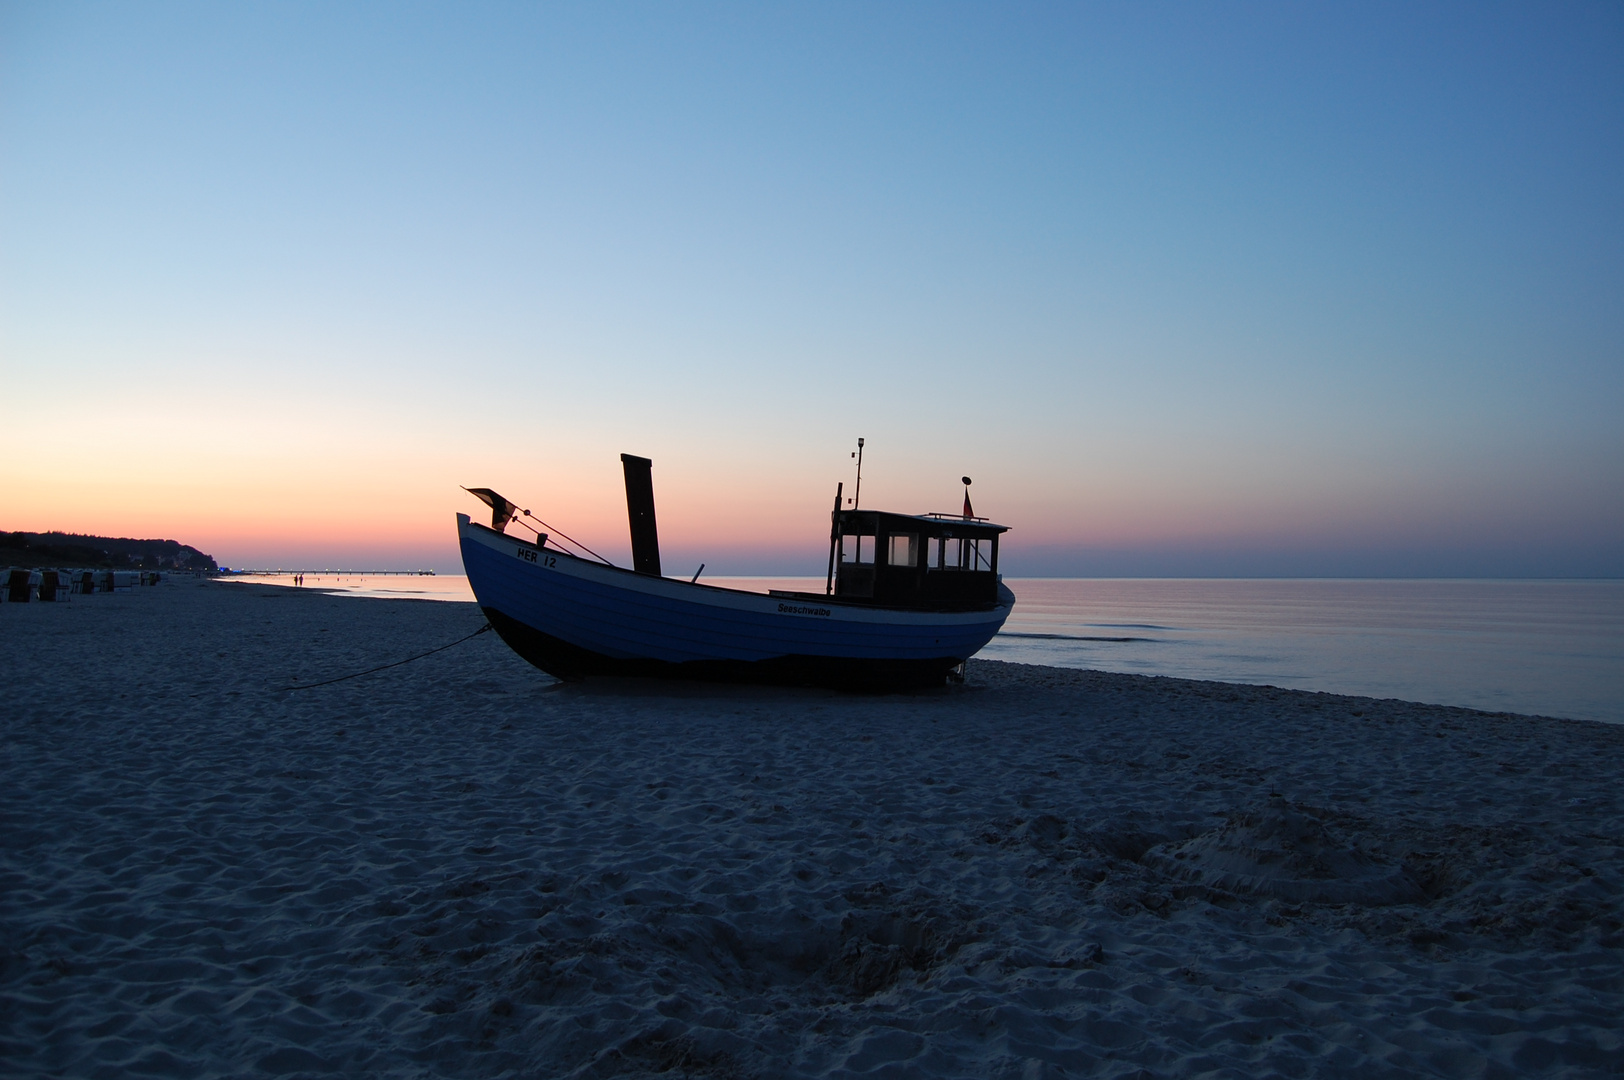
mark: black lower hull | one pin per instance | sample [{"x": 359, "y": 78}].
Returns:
[{"x": 572, "y": 663}]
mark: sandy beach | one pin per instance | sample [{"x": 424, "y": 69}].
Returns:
[{"x": 459, "y": 867}]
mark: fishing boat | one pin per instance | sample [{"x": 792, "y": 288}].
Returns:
[{"x": 908, "y": 598}]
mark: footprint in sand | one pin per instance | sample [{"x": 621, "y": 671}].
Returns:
[{"x": 1293, "y": 853}]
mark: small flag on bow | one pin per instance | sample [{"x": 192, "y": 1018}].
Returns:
[{"x": 502, "y": 511}]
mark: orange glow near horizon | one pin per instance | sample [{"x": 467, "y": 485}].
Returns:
[
  {"x": 387, "y": 505},
  {"x": 340, "y": 480}
]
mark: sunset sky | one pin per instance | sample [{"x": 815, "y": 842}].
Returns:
[{"x": 1188, "y": 289}]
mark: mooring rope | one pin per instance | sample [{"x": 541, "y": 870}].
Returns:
[
  {"x": 386, "y": 667},
  {"x": 557, "y": 532}
]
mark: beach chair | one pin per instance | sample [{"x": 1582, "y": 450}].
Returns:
[
  {"x": 22, "y": 585},
  {"x": 54, "y": 586}
]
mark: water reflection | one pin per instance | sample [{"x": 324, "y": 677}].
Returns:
[
  {"x": 385, "y": 586},
  {"x": 1551, "y": 647}
]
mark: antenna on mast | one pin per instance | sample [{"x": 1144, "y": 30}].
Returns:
[{"x": 857, "y": 493}]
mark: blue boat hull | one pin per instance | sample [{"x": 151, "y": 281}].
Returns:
[{"x": 573, "y": 619}]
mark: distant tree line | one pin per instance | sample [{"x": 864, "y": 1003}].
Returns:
[{"x": 116, "y": 553}]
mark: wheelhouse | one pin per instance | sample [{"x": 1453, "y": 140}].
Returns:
[{"x": 927, "y": 561}]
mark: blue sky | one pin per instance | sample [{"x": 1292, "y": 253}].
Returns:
[{"x": 1254, "y": 289}]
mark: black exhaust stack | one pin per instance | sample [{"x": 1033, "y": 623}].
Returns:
[{"x": 640, "y": 511}]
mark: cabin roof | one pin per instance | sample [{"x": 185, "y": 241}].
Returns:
[{"x": 929, "y": 524}]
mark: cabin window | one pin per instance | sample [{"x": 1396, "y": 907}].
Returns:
[
  {"x": 902, "y": 550},
  {"x": 857, "y": 548},
  {"x": 963, "y": 554}
]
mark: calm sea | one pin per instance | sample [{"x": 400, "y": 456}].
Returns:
[{"x": 1554, "y": 648}]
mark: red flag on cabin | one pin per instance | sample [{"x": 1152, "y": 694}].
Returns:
[
  {"x": 968, "y": 513},
  {"x": 502, "y": 511}
]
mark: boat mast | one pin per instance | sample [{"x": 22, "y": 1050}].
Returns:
[
  {"x": 857, "y": 495},
  {"x": 834, "y": 538}
]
